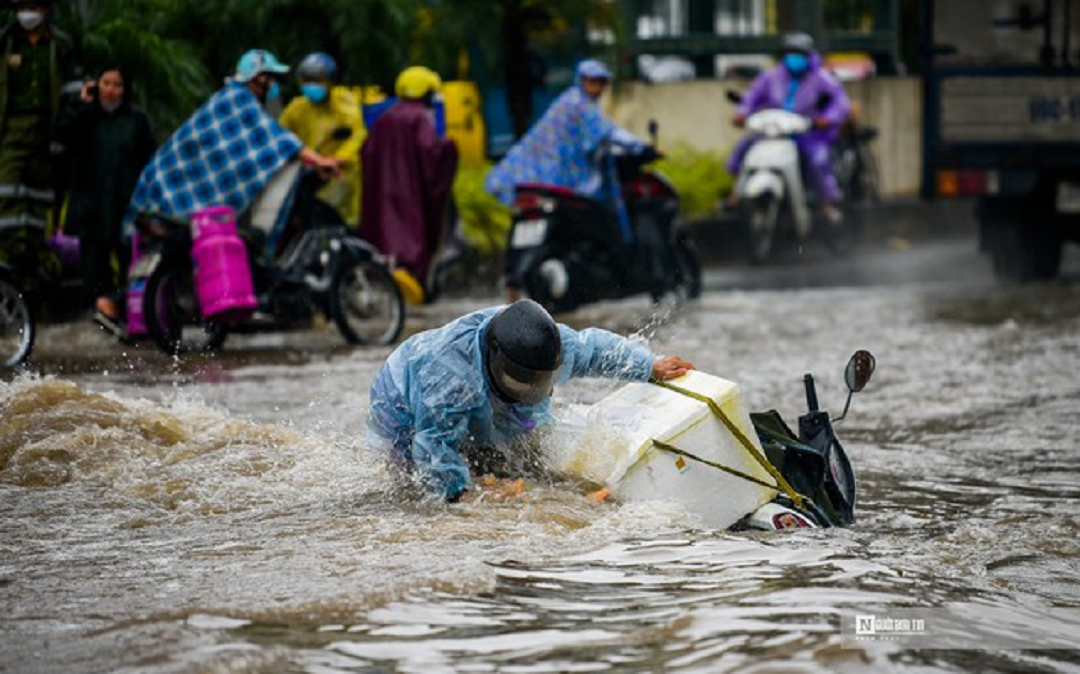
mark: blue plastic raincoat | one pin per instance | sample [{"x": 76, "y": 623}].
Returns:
[
  {"x": 566, "y": 148},
  {"x": 431, "y": 397}
]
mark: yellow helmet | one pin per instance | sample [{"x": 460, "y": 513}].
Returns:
[{"x": 417, "y": 82}]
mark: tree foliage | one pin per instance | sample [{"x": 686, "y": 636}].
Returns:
[{"x": 178, "y": 51}]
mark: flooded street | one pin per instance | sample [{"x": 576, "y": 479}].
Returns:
[{"x": 223, "y": 514}]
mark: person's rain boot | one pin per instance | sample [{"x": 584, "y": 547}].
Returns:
[{"x": 107, "y": 315}]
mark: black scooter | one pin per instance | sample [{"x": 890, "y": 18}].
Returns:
[
  {"x": 321, "y": 268},
  {"x": 566, "y": 250},
  {"x": 812, "y": 461}
]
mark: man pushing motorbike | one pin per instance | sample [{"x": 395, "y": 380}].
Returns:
[
  {"x": 801, "y": 85},
  {"x": 461, "y": 395}
]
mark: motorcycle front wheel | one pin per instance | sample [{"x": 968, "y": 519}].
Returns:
[
  {"x": 17, "y": 325},
  {"x": 173, "y": 317},
  {"x": 366, "y": 304},
  {"x": 762, "y": 219}
]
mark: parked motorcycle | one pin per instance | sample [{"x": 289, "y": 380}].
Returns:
[
  {"x": 321, "y": 269},
  {"x": 855, "y": 164},
  {"x": 772, "y": 187},
  {"x": 566, "y": 250},
  {"x": 812, "y": 461},
  {"x": 18, "y": 325}
]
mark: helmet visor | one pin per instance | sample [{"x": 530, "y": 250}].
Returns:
[{"x": 517, "y": 383}]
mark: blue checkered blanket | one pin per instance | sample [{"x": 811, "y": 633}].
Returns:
[{"x": 224, "y": 154}]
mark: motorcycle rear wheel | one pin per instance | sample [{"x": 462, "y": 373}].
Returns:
[
  {"x": 687, "y": 267},
  {"x": 366, "y": 304},
  {"x": 17, "y": 325},
  {"x": 173, "y": 316}
]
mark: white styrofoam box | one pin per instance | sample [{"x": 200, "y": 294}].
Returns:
[{"x": 614, "y": 448}]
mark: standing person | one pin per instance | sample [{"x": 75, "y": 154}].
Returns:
[
  {"x": 108, "y": 142},
  {"x": 802, "y": 85},
  {"x": 408, "y": 173},
  {"x": 320, "y": 116},
  {"x": 227, "y": 153},
  {"x": 451, "y": 396},
  {"x": 37, "y": 60},
  {"x": 567, "y": 147}
]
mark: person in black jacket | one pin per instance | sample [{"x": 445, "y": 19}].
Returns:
[{"x": 108, "y": 142}]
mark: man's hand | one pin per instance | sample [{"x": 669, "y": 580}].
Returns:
[
  {"x": 738, "y": 120},
  {"x": 670, "y": 367},
  {"x": 492, "y": 489},
  {"x": 821, "y": 123}
]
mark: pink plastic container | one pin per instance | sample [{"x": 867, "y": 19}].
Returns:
[
  {"x": 136, "y": 321},
  {"x": 222, "y": 274}
]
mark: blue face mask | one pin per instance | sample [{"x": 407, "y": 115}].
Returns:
[
  {"x": 273, "y": 92},
  {"x": 796, "y": 63},
  {"x": 316, "y": 93}
]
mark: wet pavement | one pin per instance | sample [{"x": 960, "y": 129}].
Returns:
[{"x": 226, "y": 514}]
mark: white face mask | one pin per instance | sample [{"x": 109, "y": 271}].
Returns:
[{"x": 29, "y": 19}]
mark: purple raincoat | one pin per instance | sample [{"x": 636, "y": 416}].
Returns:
[{"x": 818, "y": 95}]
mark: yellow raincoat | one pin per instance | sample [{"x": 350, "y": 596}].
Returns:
[{"x": 314, "y": 123}]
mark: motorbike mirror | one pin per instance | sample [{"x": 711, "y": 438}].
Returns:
[
  {"x": 858, "y": 371},
  {"x": 857, "y": 376},
  {"x": 654, "y": 131},
  {"x": 733, "y": 96},
  {"x": 341, "y": 133}
]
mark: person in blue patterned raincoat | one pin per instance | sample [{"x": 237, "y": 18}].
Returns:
[
  {"x": 227, "y": 151},
  {"x": 568, "y": 147},
  {"x": 466, "y": 394}
]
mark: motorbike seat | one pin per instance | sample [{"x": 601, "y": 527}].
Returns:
[
  {"x": 563, "y": 194},
  {"x": 154, "y": 217}
]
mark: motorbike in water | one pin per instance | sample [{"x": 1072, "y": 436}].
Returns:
[
  {"x": 692, "y": 442},
  {"x": 812, "y": 461},
  {"x": 317, "y": 268},
  {"x": 566, "y": 250},
  {"x": 773, "y": 189}
]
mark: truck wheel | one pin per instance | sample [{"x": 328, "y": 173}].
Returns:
[{"x": 1025, "y": 255}]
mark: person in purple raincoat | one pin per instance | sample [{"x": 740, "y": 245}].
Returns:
[{"x": 800, "y": 84}]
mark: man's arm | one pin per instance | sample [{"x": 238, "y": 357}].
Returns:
[
  {"x": 594, "y": 352},
  {"x": 442, "y": 469}
]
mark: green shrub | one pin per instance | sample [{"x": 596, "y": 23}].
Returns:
[
  {"x": 485, "y": 221},
  {"x": 699, "y": 176}
]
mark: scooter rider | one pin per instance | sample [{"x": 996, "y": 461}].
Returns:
[
  {"x": 484, "y": 381},
  {"x": 568, "y": 147},
  {"x": 227, "y": 152},
  {"x": 801, "y": 85}
]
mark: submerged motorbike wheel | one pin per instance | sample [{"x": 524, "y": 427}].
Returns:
[
  {"x": 17, "y": 325},
  {"x": 763, "y": 220},
  {"x": 173, "y": 317},
  {"x": 366, "y": 304}
]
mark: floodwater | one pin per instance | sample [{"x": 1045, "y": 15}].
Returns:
[{"x": 223, "y": 515}]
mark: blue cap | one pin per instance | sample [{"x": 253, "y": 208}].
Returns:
[
  {"x": 593, "y": 69},
  {"x": 256, "y": 62}
]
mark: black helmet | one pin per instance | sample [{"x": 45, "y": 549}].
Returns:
[{"x": 524, "y": 353}]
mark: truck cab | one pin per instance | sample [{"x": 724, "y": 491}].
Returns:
[{"x": 1002, "y": 124}]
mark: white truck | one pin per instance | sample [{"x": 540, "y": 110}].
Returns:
[{"x": 1002, "y": 124}]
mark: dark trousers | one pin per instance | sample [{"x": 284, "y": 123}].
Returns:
[{"x": 99, "y": 276}]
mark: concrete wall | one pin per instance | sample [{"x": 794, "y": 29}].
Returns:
[{"x": 699, "y": 114}]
